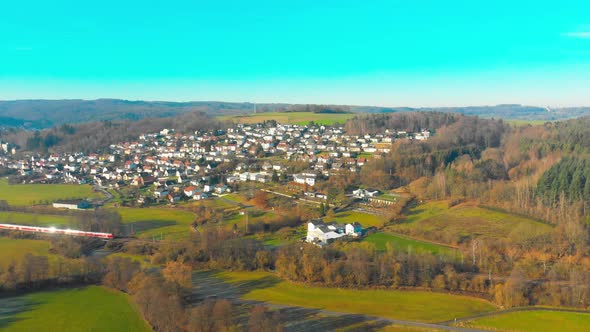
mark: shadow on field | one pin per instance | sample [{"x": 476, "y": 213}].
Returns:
[
  {"x": 343, "y": 214},
  {"x": 144, "y": 225},
  {"x": 206, "y": 285},
  {"x": 409, "y": 213},
  {"x": 294, "y": 319},
  {"x": 11, "y": 307}
]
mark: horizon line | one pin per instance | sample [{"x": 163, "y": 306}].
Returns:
[{"x": 288, "y": 103}]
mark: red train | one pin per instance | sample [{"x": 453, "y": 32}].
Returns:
[{"x": 53, "y": 230}]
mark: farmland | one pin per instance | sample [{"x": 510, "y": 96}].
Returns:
[
  {"x": 402, "y": 243},
  {"x": 21, "y": 218},
  {"x": 407, "y": 305},
  {"x": 436, "y": 221},
  {"x": 365, "y": 219},
  {"x": 520, "y": 122},
  {"x": 27, "y": 194},
  {"x": 14, "y": 250},
  {"x": 158, "y": 222},
  {"x": 71, "y": 310},
  {"x": 299, "y": 118},
  {"x": 539, "y": 321}
]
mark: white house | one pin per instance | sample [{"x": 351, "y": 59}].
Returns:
[
  {"x": 305, "y": 178},
  {"x": 353, "y": 229},
  {"x": 200, "y": 195},
  {"x": 321, "y": 234},
  {"x": 365, "y": 193}
]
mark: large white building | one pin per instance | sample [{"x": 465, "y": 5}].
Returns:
[
  {"x": 320, "y": 233},
  {"x": 365, "y": 193},
  {"x": 305, "y": 178}
]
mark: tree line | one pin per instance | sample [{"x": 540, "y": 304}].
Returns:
[{"x": 92, "y": 137}]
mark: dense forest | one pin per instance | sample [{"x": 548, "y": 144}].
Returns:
[{"x": 570, "y": 177}]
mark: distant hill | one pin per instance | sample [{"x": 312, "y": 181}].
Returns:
[
  {"x": 40, "y": 114},
  {"x": 508, "y": 111}
]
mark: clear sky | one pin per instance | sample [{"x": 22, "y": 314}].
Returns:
[{"x": 371, "y": 52}]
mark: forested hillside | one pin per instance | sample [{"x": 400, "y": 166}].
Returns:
[
  {"x": 541, "y": 171},
  {"x": 568, "y": 180},
  {"x": 407, "y": 121},
  {"x": 40, "y": 114},
  {"x": 95, "y": 136}
]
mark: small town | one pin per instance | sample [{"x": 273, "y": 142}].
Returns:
[
  {"x": 170, "y": 167},
  {"x": 295, "y": 166}
]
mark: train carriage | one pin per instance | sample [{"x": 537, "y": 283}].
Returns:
[{"x": 53, "y": 230}]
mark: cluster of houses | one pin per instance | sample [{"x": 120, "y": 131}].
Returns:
[{"x": 180, "y": 165}]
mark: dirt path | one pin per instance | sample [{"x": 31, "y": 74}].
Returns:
[{"x": 518, "y": 309}]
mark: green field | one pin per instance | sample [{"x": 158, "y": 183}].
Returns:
[
  {"x": 408, "y": 305},
  {"x": 365, "y": 219},
  {"x": 299, "y": 118},
  {"x": 405, "y": 244},
  {"x": 216, "y": 203},
  {"x": 21, "y": 218},
  {"x": 520, "y": 123},
  {"x": 538, "y": 321},
  {"x": 437, "y": 222},
  {"x": 237, "y": 198},
  {"x": 425, "y": 211},
  {"x": 28, "y": 194},
  {"x": 15, "y": 249},
  {"x": 160, "y": 223},
  {"x": 84, "y": 309},
  {"x": 400, "y": 328}
]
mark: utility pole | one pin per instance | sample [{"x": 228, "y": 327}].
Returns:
[{"x": 245, "y": 212}]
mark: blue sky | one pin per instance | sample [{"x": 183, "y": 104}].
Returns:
[{"x": 376, "y": 52}]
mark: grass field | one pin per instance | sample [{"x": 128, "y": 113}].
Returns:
[
  {"x": 27, "y": 194},
  {"x": 406, "y": 244},
  {"x": 425, "y": 211},
  {"x": 20, "y": 218},
  {"x": 400, "y": 328},
  {"x": 407, "y": 305},
  {"x": 365, "y": 219},
  {"x": 84, "y": 309},
  {"x": 538, "y": 321},
  {"x": 166, "y": 223},
  {"x": 435, "y": 221},
  {"x": 237, "y": 198},
  {"x": 15, "y": 249},
  {"x": 520, "y": 123},
  {"x": 299, "y": 118},
  {"x": 216, "y": 203}
]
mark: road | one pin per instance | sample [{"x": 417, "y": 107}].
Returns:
[
  {"x": 107, "y": 195},
  {"x": 517, "y": 309}
]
